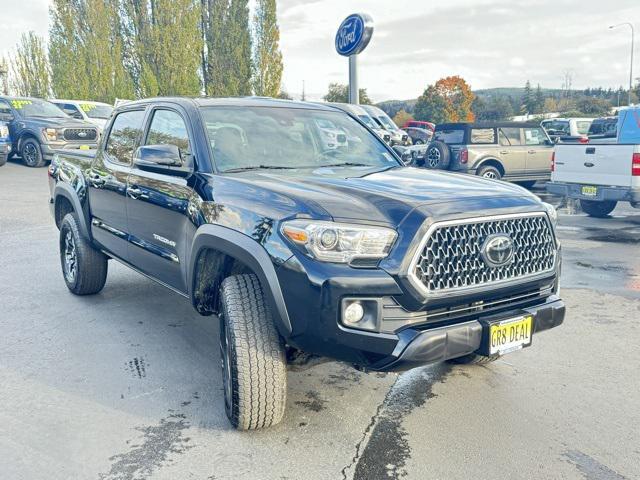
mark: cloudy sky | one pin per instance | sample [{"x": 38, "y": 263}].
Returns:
[{"x": 491, "y": 43}]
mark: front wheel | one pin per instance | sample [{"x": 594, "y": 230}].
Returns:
[
  {"x": 418, "y": 142},
  {"x": 254, "y": 368},
  {"x": 84, "y": 268},
  {"x": 31, "y": 153},
  {"x": 598, "y": 209},
  {"x": 473, "y": 359}
]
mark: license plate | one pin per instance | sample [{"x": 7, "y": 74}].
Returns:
[
  {"x": 589, "y": 191},
  {"x": 85, "y": 147},
  {"x": 510, "y": 335}
]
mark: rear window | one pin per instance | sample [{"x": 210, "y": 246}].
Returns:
[
  {"x": 483, "y": 135},
  {"x": 583, "y": 127},
  {"x": 450, "y": 136}
]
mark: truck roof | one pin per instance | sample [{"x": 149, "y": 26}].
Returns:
[
  {"x": 453, "y": 125},
  {"x": 234, "y": 102}
]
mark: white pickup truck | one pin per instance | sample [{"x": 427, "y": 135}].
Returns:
[{"x": 601, "y": 175}]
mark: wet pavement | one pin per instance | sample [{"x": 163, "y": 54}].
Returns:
[{"x": 125, "y": 385}]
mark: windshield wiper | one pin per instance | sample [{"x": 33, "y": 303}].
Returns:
[
  {"x": 258, "y": 167},
  {"x": 345, "y": 164}
]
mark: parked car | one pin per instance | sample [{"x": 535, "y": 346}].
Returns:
[
  {"x": 93, "y": 112},
  {"x": 418, "y": 136},
  {"x": 332, "y": 137},
  {"x": 567, "y": 130},
  {"x": 38, "y": 128},
  {"x": 419, "y": 124},
  {"x": 601, "y": 175},
  {"x": 346, "y": 254},
  {"x": 603, "y": 128},
  {"x": 358, "y": 112},
  {"x": 398, "y": 137},
  {"x": 5, "y": 143},
  {"x": 514, "y": 151}
]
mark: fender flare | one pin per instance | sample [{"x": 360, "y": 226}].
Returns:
[
  {"x": 252, "y": 254},
  {"x": 65, "y": 190},
  {"x": 25, "y": 135},
  {"x": 483, "y": 161}
]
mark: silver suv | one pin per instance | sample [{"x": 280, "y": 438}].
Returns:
[{"x": 515, "y": 151}]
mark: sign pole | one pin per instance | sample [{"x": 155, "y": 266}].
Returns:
[{"x": 354, "y": 96}]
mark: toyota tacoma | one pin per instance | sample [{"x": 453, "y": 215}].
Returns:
[{"x": 301, "y": 250}]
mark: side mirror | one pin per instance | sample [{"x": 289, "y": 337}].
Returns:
[{"x": 165, "y": 159}]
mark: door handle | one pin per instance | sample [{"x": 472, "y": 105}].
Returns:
[
  {"x": 504, "y": 152},
  {"x": 531, "y": 152},
  {"x": 136, "y": 193},
  {"x": 97, "y": 181}
]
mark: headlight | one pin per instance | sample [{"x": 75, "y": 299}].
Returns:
[
  {"x": 330, "y": 134},
  {"x": 339, "y": 242},
  {"x": 4, "y": 131},
  {"x": 51, "y": 134},
  {"x": 552, "y": 212}
]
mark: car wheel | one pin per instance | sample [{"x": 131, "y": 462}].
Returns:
[
  {"x": 473, "y": 359},
  {"x": 418, "y": 142},
  {"x": 83, "y": 267},
  {"x": 598, "y": 209},
  {"x": 438, "y": 156},
  {"x": 254, "y": 368},
  {"x": 490, "y": 172},
  {"x": 31, "y": 153}
]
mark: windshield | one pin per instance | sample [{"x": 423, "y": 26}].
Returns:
[
  {"x": 289, "y": 138},
  {"x": 32, "y": 107},
  {"x": 368, "y": 121},
  {"x": 387, "y": 122},
  {"x": 96, "y": 110}
]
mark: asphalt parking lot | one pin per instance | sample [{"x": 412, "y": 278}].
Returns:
[{"x": 126, "y": 384}]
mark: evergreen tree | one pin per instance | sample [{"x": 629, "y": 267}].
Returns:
[
  {"x": 538, "y": 101},
  {"x": 528, "y": 100},
  {"x": 267, "y": 58},
  {"x": 30, "y": 67}
]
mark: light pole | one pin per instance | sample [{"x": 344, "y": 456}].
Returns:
[{"x": 631, "y": 67}]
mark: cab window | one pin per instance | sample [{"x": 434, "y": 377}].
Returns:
[
  {"x": 5, "y": 111},
  {"x": 124, "y": 136},
  {"x": 168, "y": 128}
]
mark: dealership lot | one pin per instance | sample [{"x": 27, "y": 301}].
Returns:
[{"x": 127, "y": 385}]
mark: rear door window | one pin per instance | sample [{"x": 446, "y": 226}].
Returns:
[
  {"x": 450, "y": 137},
  {"x": 483, "y": 135},
  {"x": 124, "y": 136},
  {"x": 510, "y": 136}
]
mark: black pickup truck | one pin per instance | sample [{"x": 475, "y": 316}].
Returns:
[
  {"x": 302, "y": 250},
  {"x": 38, "y": 128}
]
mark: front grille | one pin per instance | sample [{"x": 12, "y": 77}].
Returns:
[
  {"x": 451, "y": 258},
  {"x": 405, "y": 138},
  {"x": 80, "y": 134}
]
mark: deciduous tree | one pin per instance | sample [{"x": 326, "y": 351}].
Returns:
[
  {"x": 30, "y": 67},
  {"x": 402, "y": 117},
  {"x": 339, "y": 93},
  {"x": 449, "y": 100},
  {"x": 267, "y": 58}
]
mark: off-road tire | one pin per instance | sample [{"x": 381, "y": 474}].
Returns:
[
  {"x": 598, "y": 209},
  {"x": 254, "y": 366},
  {"x": 31, "y": 153},
  {"x": 90, "y": 272},
  {"x": 473, "y": 359},
  {"x": 438, "y": 156},
  {"x": 490, "y": 172}
]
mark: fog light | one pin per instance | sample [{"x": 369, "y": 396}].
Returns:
[{"x": 353, "y": 313}]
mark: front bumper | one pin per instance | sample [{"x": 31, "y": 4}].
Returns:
[
  {"x": 417, "y": 347},
  {"x": 5, "y": 149},
  {"x": 49, "y": 149},
  {"x": 604, "y": 193}
]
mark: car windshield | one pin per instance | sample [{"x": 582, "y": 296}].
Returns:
[
  {"x": 96, "y": 110},
  {"x": 368, "y": 121},
  {"x": 32, "y": 107},
  {"x": 387, "y": 122},
  {"x": 245, "y": 138}
]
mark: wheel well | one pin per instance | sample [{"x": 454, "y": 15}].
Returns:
[
  {"x": 62, "y": 207},
  {"x": 24, "y": 137},
  {"x": 212, "y": 267},
  {"x": 493, "y": 163}
]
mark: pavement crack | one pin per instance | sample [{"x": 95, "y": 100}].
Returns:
[{"x": 367, "y": 431}]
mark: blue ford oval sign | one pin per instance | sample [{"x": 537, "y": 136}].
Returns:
[{"x": 354, "y": 34}]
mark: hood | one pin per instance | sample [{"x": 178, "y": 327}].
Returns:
[
  {"x": 384, "y": 197},
  {"x": 98, "y": 122},
  {"x": 56, "y": 122}
]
